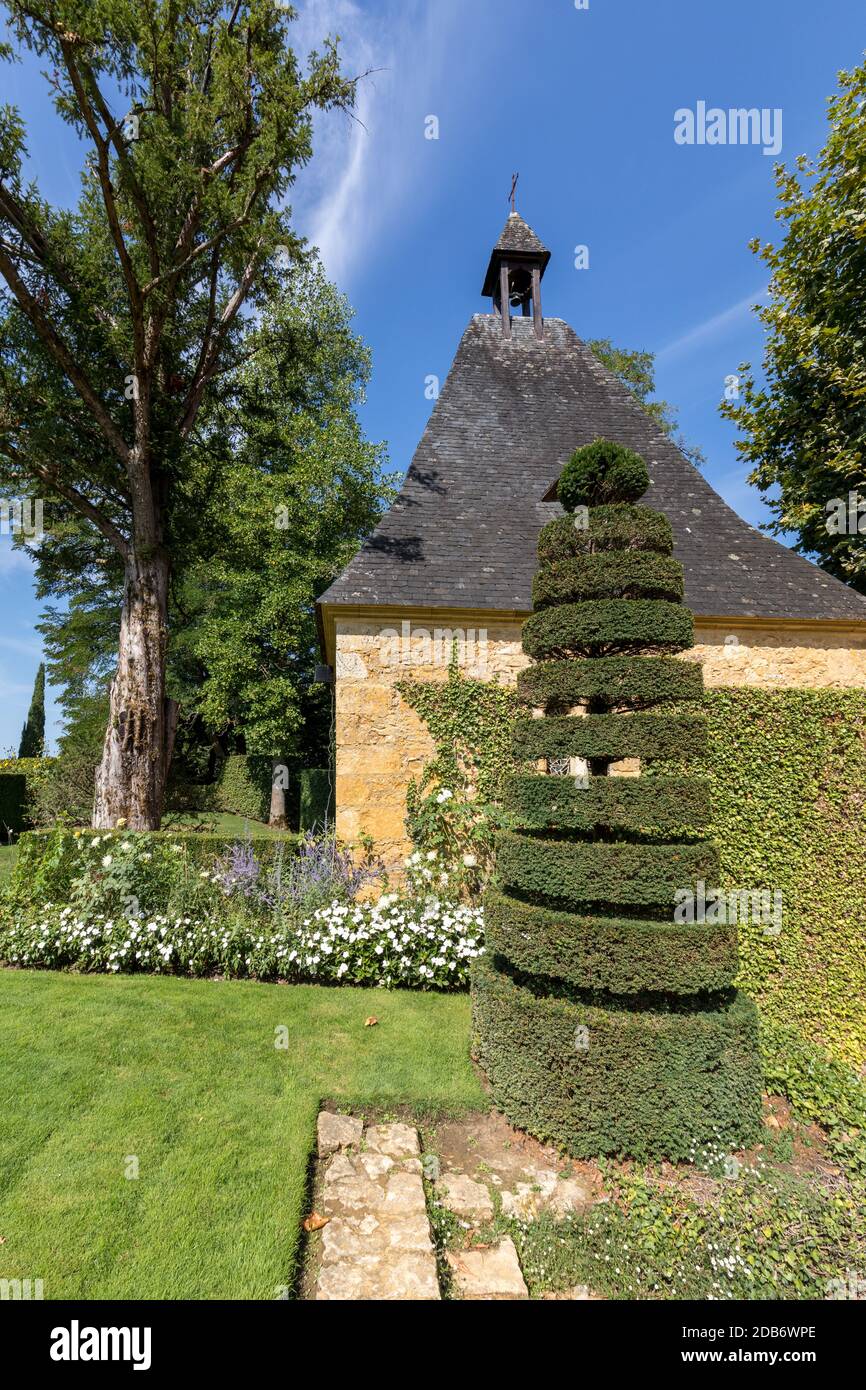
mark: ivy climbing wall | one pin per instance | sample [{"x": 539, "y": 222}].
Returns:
[{"x": 382, "y": 743}]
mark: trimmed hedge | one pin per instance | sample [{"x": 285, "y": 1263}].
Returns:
[
  {"x": 610, "y": 528},
  {"x": 614, "y": 736},
  {"x": 608, "y": 625},
  {"x": 608, "y": 681},
  {"x": 16, "y": 782},
  {"x": 640, "y": 875},
  {"x": 662, "y": 804},
  {"x": 244, "y": 786},
  {"x": 315, "y": 799},
  {"x": 611, "y": 574},
  {"x": 13, "y": 802},
  {"x": 626, "y": 955},
  {"x": 638, "y": 1082}
]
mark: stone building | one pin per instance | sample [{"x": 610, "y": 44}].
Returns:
[{"x": 454, "y": 557}]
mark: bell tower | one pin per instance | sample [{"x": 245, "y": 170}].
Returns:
[{"x": 513, "y": 279}]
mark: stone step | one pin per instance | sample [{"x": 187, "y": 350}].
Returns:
[{"x": 377, "y": 1242}]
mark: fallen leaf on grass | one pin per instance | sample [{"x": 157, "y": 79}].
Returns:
[
  {"x": 370, "y": 1022},
  {"x": 315, "y": 1222}
]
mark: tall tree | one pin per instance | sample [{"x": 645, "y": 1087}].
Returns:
[
  {"x": 33, "y": 734},
  {"x": 297, "y": 490},
  {"x": 636, "y": 370},
  {"x": 120, "y": 318},
  {"x": 287, "y": 487},
  {"x": 804, "y": 429}
]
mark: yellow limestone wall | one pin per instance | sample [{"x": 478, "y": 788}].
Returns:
[{"x": 381, "y": 742}]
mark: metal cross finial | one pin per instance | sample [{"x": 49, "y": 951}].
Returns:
[{"x": 512, "y": 194}]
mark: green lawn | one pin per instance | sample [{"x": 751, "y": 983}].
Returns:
[
  {"x": 184, "y": 1075},
  {"x": 8, "y": 855},
  {"x": 225, "y": 822}
]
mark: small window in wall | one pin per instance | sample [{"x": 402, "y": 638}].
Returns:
[{"x": 559, "y": 767}]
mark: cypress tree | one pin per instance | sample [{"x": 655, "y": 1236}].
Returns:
[
  {"x": 605, "y": 1024},
  {"x": 33, "y": 734}
]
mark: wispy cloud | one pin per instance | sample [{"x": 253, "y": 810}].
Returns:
[
  {"x": 366, "y": 171},
  {"x": 13, "y": 561},
  {"x": 26, "y": 646},
  {"x": 711, "y": 328}
]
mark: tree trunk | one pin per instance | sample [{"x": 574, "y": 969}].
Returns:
[
  {"x": 279, "y": 783},
  {"x": 130, "y": 780}
]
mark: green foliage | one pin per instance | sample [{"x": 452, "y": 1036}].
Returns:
[
  {"x": 601, "y": 473},
  {"x": 788, "y": 770},
  {"x": 583, "y": 872},
  {"x": 131, "y": 322},
  {"x": 244, "y": 786},
  {"x": 61, "y": 792},
  {"x": 612, "y": 1079},
  {"x": 617, "y": 954},
  {"x": 647, "y": 736},
  {"x": 668, "y": 1064},
  {"x": 51, "y": 862},
  {"x": 453, "y": 807},
  {"x": 13, "y": 803},
  {"x": 288, "y": 487},
  {"x": 315, "y": 798},
  {"x": 804, "y": 424},
  {"x": 617, "y": 527},
  {"x": 762, "y": 1235},
  {"x": 295, "y": 487},
  {"x": 611, "y": 574},
  {"x": 606, "y": 626},
  {"x": 660, "y": 805},
  {"x": 33, "y": 734},
  {"x": 821, "y": 1090},
  {"x": 629, "y": 682},
  {"x": 636, "y": 371},
  {"x": 19, "y": 778}
]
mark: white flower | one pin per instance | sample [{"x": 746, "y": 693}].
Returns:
[
  {"x": 106, "y": 861},
  {"x": 444, "y": 795},
  {"x": 469, "y": 861},
  {"x": 94, "y": 842},
  {"x": 431, "y": 854}
]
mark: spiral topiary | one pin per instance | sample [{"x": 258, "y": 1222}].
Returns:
[{"x": 604, "y": 1024}]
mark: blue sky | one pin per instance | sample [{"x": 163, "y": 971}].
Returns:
[{"x": 582, "y": 103}]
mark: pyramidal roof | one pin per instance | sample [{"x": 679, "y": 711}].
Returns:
[
  {"x": 464, "y": 529},
  {"x": 517, "y": 235},
  {"x": 517, "y": 242}
]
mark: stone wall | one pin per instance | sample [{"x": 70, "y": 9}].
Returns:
[{"x": 381, "y": 743}]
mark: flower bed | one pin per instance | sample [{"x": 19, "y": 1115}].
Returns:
[
  {"x": 416, "y": 944},
  {"x": 136, "y": 904}
]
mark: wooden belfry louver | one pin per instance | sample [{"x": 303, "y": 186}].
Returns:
[{"x": 603, "y": 1023}]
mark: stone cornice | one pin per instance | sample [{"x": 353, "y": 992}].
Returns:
[{"x": 327, "y": 615}]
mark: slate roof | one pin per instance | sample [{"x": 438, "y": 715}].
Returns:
[
  {"x": 517, "y": 235},
  {"x": 464, "y": 529}
]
